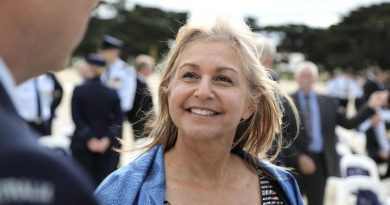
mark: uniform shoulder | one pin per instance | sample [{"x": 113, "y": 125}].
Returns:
[{"x": 59, "y": 177}]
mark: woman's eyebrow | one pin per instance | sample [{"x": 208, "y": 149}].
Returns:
[
  {"x": 191, "y": 65},
  {"x": 223, "y": 68}
]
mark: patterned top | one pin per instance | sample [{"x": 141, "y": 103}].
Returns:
[{"x": 268, "y": 191}]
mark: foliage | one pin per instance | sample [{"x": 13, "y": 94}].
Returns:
[
  {"x": 361, "y": 39},
  {"x": 143, "y": 29}
]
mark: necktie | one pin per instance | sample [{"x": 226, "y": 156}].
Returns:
[{"x": 307, "y": 116}]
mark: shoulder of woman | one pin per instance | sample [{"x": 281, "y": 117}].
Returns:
[
  {"x": 125, "y": 183},
  {"x": 276, "y": 172}
]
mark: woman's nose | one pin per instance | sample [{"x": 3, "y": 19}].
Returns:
[{"x": 204, "y": 89}]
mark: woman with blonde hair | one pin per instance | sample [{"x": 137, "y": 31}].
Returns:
[{"x": 218, "y": 115}]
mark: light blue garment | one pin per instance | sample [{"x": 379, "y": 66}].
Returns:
[
  {"x": 143, "y": 182},
  {"x": 123, "y": 79},
  {"x": 317, "y": 143}
]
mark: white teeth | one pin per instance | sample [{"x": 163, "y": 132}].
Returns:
[{"x": 202, "y": 112}]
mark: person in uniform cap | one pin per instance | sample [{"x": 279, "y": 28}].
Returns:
[
  {"x": 119, "y": 75},
  {"x": 110, "y": 42},
  {"x": 98, "y": 119},
  {"x": 37, "y": 36}
]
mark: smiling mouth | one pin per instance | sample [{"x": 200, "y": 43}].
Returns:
[{"x": 202, "y": 112}]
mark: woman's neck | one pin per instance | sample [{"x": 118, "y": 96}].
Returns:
[{"x": 207, "y": 163}]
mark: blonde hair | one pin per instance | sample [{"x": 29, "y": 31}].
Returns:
[{"x": 256, "y": 134}]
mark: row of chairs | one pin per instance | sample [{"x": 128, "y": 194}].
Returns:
[{"x": 359, "y": 183}]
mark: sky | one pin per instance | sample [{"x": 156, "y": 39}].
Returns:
[{"x": 313, "y": 13}]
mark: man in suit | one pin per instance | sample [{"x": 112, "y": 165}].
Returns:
[
  {"x": 97, "y": 115},
  {"x": 36, "y": 36},
  {"x": 313, "y": 153}
]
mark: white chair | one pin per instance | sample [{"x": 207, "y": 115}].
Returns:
[
  {"x": 356, "y": 141},
  {"x": 343, "y": 149},
  {"x": 346, "y": 194},
  {"x": 359, "y": 161}
]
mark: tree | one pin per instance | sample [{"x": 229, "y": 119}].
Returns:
[
  {"x": 143, "y": 29},
  {"x": 361, "y": 39}
]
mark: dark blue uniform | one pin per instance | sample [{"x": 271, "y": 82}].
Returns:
[
  {"x": 96, "y": 112},
  {"x": 31, "y": 174}
]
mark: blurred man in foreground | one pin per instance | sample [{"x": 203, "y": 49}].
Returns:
[{"x": 36, "y": 36}]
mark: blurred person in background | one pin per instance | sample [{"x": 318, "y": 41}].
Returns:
[
  {"x": 36, "y": 101},
  {"x": 376, "y": 80},
  {"x": 339, "y": 87},
  {"x": 356, "y": 89},
  {"x": 218, "y": 115},
  {"x": 143, "y": 102},
  {"x": 267, "y": 51},
  {"x": 377, "y": 140},
  {"x": 83, "y": 69},
  {"x": 313, "y": 153},
  {"x": 98, "y": 119},
  {"x": 118, "y": 75},
  {"x": 37, "y": 36}
]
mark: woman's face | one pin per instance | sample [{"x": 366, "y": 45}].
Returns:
[{"x": 209, "y": 92}]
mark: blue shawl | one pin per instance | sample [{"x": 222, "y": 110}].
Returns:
[{"x": 143, "y": 182}]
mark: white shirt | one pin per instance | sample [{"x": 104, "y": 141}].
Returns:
[
  {"x": 123, "y": 79},
  {"x": 339, "y": 87},
  {"x": 26, "y": 96},
  {"x": 7, "y": 80}
]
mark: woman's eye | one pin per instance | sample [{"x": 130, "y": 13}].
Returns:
[
  {"x": 190, "y": 75},
  {"x": 223, "y": 79}
]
